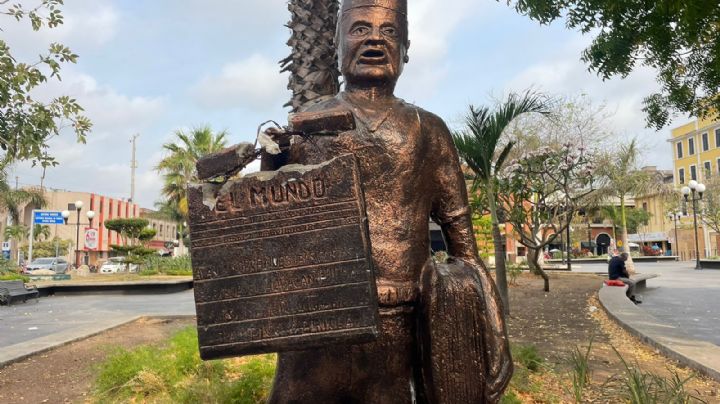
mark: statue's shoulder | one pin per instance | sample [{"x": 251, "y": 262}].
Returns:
[{"x": 428, "y": 120}]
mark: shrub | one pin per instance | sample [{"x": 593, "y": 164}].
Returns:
[{"x": 173, "y": 266}]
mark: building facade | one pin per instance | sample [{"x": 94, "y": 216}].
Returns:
[
  {"x": 105, "y": 208},
  {"x": 696, "y": 156}
]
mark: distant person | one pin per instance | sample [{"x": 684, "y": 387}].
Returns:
[{"x": 617, "y": 271}]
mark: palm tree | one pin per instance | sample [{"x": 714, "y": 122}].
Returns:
[
  {"x": 41, "y": 232},
  {"x": 313, "y": 60},
  {"x": 178, "y": 166},
  {"x": 13, "y": 201},
  {"x": 16, "y": 232},
  {"x": 480, "y": 148},
  {"x": 624, "y": 179}
]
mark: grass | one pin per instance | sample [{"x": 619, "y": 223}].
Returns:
[
  {"x": 642, "y": 387},
  {"x": 530, "y": 377},
  {"x": 174, "y": 373},
  {"x": 527, "y": 356},
  {"x": 580, "y": 371}
]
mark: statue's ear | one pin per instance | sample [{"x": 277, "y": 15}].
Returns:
[{"x": 407, "y": 48}]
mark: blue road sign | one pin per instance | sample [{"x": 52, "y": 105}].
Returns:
[{"x": 48, "y": 217}]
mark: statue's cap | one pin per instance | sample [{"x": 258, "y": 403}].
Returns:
[{"x": 399, "y": 6}]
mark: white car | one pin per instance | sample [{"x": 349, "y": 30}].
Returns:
[{"x": 115, "y": 265}]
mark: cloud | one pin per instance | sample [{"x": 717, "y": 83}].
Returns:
[
  {"x": 253, "y": 83},
  {"x": 432, "y": 25},
  {"x": 103, "y": 164},
  {"x": 562, "y": 72},
  {"x": 86, "y": 23}
]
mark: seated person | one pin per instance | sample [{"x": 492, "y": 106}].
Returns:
[{"x": 617, "y": 271}]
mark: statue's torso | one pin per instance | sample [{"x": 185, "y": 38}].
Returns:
[{"x": 396, "y": 167}]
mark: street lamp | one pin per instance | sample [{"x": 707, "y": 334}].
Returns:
[
  {"x": 696, "y": 189},
  {"x": 675, "y": 216},
  {"x": 90, "y": 215}
]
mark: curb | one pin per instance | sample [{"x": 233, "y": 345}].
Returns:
[{"x": 673, "y": 342}]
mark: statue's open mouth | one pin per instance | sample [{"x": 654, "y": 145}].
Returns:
[{"x": 373, "y": 57}]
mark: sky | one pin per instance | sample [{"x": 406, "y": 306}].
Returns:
[{"x": 152, "y": 68}]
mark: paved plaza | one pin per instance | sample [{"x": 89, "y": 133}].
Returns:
[
  {"x": 31, "y": 326},
  {"x": 686, "y": 298}
]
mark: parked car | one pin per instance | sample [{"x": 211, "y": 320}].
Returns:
[
  {"x": 56, "y": 264},
  {"x": 115, "y": 265}
]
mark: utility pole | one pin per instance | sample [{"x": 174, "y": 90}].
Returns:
[{"x": 133, "y": 166}]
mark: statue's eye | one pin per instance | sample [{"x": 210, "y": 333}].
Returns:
[
  {"x": 360, "y": 30},
  {"x": 389, "y": 31}
]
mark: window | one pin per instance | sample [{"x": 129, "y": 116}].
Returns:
[
  {"x": 679, "y": 150},
  {"x": 681, "y": 175},
  {"x": 717, "y": 137},
  {"x": 691, "y": 146},
  {"x": 718, "y": 165},
  {"x": 693, "y": 173},
  {"x": 705, "y": 142},
  {"x": 708, "y": 169}
]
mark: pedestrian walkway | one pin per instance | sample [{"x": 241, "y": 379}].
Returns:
[
  {"x": 56, "y": 320},
  {"x": 680, "y": 313}
]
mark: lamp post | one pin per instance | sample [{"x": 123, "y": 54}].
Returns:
[
  {"x": 90, "y": 215},
  {"x": 675, "y": 216},
  {"x": 696, "y": 189}
]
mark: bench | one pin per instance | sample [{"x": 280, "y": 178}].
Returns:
[
  {"x": 641, "y": 280},
  {"x": 10, "y": 290}
]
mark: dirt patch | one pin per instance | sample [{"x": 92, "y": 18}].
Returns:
[
  {"x": 66, "y": 374},
  {"x": 570, "y": 316}
]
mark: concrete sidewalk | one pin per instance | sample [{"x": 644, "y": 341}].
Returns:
[
  {"x": 30, "y": 328},
  {"x": 673, "y": 341}
]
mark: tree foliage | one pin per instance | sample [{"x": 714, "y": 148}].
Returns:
[
  {"x": 540, "y": 194},
  {"x": 47, "y": 248},
  {"x": 481, "y": 148},
  {"x": 27, "y": 123},
  {"x": 679, "y": 39},
  {"x": 710, "y": 214},
  {"x": 135, "y": 234},
  {"x": 178, "y": 166},
  {"x": 128, "y": 228}
]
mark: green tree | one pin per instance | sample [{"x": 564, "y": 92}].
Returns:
[
  {"x": 49, "y": 248},
  {"x": 41, "y": 232},
  {"x": 135, "y": 234},
  {"x": 13, "y": 200},
  {"x": 313, "y": 74},
  {"x": 679, "y": 39},
  {"x": 26, "y": 123},
  {"x": 479, "y": 146},
  {"x": 16, "y": 232},
  {"x": 540, "y": 194},
  {"x": 623, "y": 180},
  {"x": 178, "y": 166}
]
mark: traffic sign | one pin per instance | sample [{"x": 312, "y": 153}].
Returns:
[{"x": 47, "y": 217}]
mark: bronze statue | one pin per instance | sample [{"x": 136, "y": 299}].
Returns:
[{"x": 442, "y": 335}]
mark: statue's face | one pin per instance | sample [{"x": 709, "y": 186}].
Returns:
[{"x": 373, "y": 45}]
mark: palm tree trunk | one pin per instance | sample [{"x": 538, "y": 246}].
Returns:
[
  {"x": 629, "y": 264},
  {"x": 499, "y": 244},
  {"x": 313, "y": 60}
]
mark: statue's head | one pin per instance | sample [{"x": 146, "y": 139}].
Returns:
[{"x": 372, "y": 40}]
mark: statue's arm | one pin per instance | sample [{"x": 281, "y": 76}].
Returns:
[{"x": 452, "y": 212}]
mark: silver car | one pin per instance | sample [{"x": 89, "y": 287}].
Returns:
[{"x": 56, "y": 264}]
